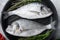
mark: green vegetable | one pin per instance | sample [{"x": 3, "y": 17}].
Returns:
[
  {"x": 21, "y": 3},
  {"x": 58, "y": 39},
  {"x": 38, "y": 37}
]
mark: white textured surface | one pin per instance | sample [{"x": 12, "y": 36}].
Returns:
[
  {"x": 2, "y": 4},
  {"x": 56, "y": 3}
]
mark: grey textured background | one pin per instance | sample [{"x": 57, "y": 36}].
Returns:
[
  {"x": 57, "y": 5},
  {"x": 55, "y": 2}
]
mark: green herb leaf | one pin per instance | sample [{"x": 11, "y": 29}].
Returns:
[
  {"x": 38, "y": 37},
  {"x": 21, "y": 3}
]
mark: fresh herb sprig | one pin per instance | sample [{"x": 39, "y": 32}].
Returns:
[
  {"x": 21, "y": 3},
  {"x": 38, "y": 37}
]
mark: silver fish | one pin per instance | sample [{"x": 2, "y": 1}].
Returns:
[
  {"x": 27, "y": 28},
  {"x": 32, "y": 11}
]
